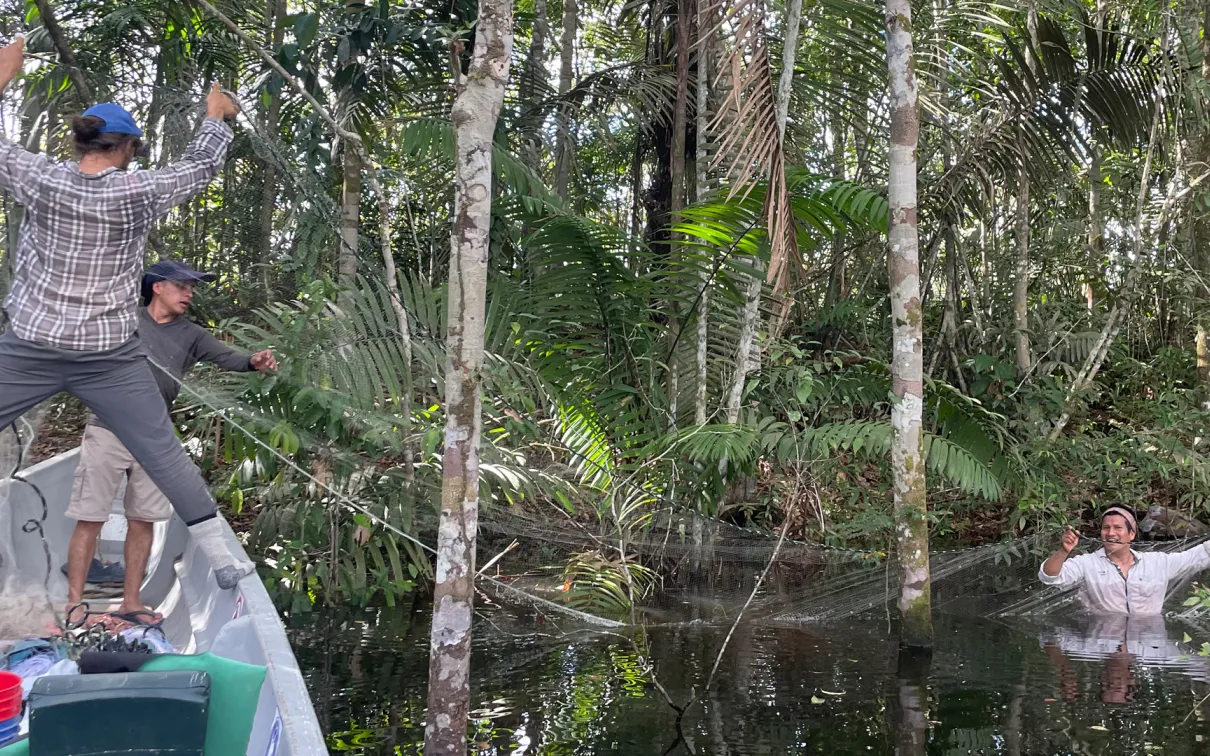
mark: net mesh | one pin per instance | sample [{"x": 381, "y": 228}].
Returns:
[
  {"x": 287, "y": 207},
  {"x": 706, "y": 570}
]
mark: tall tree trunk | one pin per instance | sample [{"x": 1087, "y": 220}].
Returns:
[
  {"x": 475, "y": 113},
  {"x": 1201, "y": 227},
  {"x": 789, "y": 61},
  {"x": 743, "y": 357},
  {"x": 702, "y": 174},
  {"x": 680, "y": 124},
  {"x": 531, "y": 87},
  {"x": 1021, "y": 280},
  {"x": 836, "y": 267},
  {"x": 751, "y": 314},
  {"x": 350, "y": 217},
  {"x": 680, "y": 108},
  {"x": 275, "y": 34},
  {"x": 636, "y": 187},
  {"x": 405, "y": 331},
  {"x": 1096, "y": 226},
  {"x": 907, "y": 363},
  {"x": 1203, "y": 353},
  {"x": 564, "y": 151}
]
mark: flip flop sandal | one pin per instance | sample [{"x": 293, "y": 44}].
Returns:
[{"x": 76, "y": 625}]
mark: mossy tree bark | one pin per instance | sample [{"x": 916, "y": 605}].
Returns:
[
  {"x": 907, "y": 363},
  {"x": 475, "y": 114}
]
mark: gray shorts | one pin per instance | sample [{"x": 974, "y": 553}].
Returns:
[{"x": 104, "y": 461}]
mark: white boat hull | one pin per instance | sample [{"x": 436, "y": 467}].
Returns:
[{"x": 240, "y": 624}]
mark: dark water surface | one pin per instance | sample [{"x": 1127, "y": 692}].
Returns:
[{"x": 992, "y": 688}]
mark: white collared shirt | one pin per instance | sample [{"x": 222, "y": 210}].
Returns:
[{"x": 1102, "y": 588}]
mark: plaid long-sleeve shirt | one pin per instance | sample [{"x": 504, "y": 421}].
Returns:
[{"x": 80, "y": 251}]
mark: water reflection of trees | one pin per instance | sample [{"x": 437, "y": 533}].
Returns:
[{"x": 834, "y": 689}]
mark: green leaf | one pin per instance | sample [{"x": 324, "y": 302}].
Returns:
[{"x": 305, "y": 28}]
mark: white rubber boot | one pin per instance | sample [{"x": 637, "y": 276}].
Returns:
[{"x": 228, "y": 569}]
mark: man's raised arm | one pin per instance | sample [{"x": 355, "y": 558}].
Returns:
[
  {"x": 203, "y": 160},
  {"x": 19, "y": 168},
  {"x": 1052, "y": 569}
]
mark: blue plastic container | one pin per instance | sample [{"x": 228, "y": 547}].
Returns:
[{"x": 9, "y": 729}]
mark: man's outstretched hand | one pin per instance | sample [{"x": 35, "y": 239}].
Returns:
[
  {"x": 12, "y": 59},
  {"x": 1071, "y": 539},
  {"x": 219, "y": 105},
  {"x": 263, "y": 361}
]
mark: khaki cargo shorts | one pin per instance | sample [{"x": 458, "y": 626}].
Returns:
[{"x": 103, "y": 463}]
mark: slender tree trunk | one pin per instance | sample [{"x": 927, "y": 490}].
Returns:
[
  {"x": 276, "y": 33},
  {"x": 475, "y": 114},
  {"x": 405, "y": 331},
  {"x": 907, "y": 363},
  {"x": 702, "y": 175},
  {"x": 1021, "y": 281},
  {"x": 565, "y": 148},
  {"x": 1201, "y": 227},
  {"x": 836, "y": 269},
  {"x": 680, "y": 107},
  {"x": 350, "y": 217},
  {"x": 743, "y": 356},
  {"x": 1203, "y": 353},
  {"x": 789, "y": 61},
  {"x": 952, "y": 306},
  {"x": 680, "y": 124},
  {"x": 636, "y": 188},
  {"x": 535, "y": 79},
  {"x": 1096, "y": 226}
]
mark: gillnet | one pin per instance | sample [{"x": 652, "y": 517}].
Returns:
[
  {"x": 347, "y": 434},
  {"x": 704, "y": 570}
]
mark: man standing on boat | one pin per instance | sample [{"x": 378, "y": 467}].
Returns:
[
  {"x": 1117, "y": 579},
  {"x": 174, "y": 345},
  {"x": 73, "y": 306}
]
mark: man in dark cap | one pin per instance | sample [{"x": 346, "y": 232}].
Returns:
[
  {"x": 173, "y": 344},
  {"x": 73, "y": 306},
  {"x": 1116, "y": 579}
]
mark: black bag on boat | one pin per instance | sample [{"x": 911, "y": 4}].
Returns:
[{"x": 135, "y": 714}]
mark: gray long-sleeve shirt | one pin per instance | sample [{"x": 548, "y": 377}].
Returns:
[{"x": 178, "y": 345}]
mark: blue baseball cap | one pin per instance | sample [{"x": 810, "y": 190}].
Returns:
[
  {"x": 171, "y": 270},
  {"x": 117, "y": 120}
]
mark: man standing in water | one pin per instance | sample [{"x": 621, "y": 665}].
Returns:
[
  {"x": 1117, "y": 579},
  {"x": 175, "y": 344},
  {"x": 73, "y": 306}
]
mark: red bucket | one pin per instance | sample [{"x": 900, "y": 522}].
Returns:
[{"x": 10, "y": 695}]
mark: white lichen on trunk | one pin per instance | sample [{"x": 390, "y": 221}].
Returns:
[
  {"x": 907, "y": 362},
  {"x": 475, "y": 113}
]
